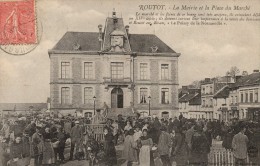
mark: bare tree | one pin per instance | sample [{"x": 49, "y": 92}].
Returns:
[
  {"x": 233, "y": 72},
  {"x": 195, "y": 84}
]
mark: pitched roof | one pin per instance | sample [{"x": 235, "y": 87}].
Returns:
[
  {"x": 22, "y": 106},
  {"x": 88, "y": 41},
  {"x": 186, "y": 97},
  {"x": 144, "y": 42},
  {"x": 223, "y": 92},
  {"x": 251, "y": 79},
  {"x": 195, "y": 100}
]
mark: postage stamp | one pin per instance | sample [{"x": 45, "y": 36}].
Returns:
[{"x": 18, "y": 26}]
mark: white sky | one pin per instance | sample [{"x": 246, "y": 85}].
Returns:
[{"x": 206, "y": 51}]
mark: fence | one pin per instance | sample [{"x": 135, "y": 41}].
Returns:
[
  {"x": 224, "y": 158},
  {"x": 97, "y": 130}
]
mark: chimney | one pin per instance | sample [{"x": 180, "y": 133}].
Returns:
[
  {"x": 256, "y": 71},
  {"x": 100, "y": 32},
  {"x": 184, "y": 88},
  {"x": 207, "y": 79},
  {"x": 244, "y": 73},
  {"x": 127, "y": 29},
  {"x": 100, "y": 35}
]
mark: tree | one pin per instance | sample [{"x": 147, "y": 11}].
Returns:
[
  {"x": 233, "y": 72},
  {"x": 195, "y": 84}
]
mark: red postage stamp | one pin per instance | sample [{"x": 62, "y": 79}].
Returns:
[{"x": 18, "y": 22}]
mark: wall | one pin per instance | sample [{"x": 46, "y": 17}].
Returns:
[{"x": 102, "y": 90}]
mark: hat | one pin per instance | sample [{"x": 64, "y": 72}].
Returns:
[{"x": 76, "y": 122}]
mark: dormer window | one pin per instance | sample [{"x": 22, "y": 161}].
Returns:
[
  {"x": 117, "y": 41},
  {"x": 76, "y": 46}
]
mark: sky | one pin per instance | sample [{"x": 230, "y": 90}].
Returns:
[{"x": 206, "y": 51}]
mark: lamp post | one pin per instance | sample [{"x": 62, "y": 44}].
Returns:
[
  {"x": 149, "y": 100},
  {"x": 94, "y": 99}
]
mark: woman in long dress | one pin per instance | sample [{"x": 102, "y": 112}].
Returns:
[
  {"x": 130, "y": 151},
  {"x": 48, "y": 152},
  {"x": 109, "y": 149},
  {"x": 145, "y": 155}
]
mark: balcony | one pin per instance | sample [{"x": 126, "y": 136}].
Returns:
[
  {"x": 117, "y": 81},
  {"x": 233, "y": 104}
]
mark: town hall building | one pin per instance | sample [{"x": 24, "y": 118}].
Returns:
[{"x": 113, "y": 69}]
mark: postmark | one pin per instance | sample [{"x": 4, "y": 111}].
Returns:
[{"x": 20, "y": 29}]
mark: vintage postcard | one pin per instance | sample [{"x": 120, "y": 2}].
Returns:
[{"x": 141, "y": 82}]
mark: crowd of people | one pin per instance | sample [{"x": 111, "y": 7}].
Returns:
[
  {"x": 189, "y": 141},
  {"x": 147, "y": 141}
]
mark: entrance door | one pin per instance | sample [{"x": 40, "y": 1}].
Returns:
[{"x": 117, "y": 98}]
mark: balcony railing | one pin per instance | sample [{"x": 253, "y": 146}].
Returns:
[
  {"x": 233, "y": 104},
  {"x": 117, "y": 80}
]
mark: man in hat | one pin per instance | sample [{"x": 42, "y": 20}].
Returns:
[
  {"x": 37, "y": 142},
  {"x": 76, "y": 135},
  {"x": 239, "y": 145},
  {"x": 98, "y": 118},
  {"x": 164, "y": 146}
]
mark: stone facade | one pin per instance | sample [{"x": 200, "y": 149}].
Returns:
[{"x": 123, "y": 76}]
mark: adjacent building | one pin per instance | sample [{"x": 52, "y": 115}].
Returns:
[
  {"x": 113, "y": 69},
  {"x": 224, "y": 98},
  {"x": 209, "y": 88},
  {"x": 14, "y": 109},
  {"x": 247, "y": 96},
  {"x": 190, "y": 103}
]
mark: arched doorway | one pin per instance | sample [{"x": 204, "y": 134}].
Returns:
[{"x": 117, "y": 98}]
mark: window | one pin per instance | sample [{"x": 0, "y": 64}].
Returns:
[
  {"x": 88, "y": 70},
  {"x": 65, "y": 95},
  {"x": 246, "y": 97},
  {"x": 235, "y": 99},
  {"x": 256, "y": 97},
  {"x": 65, "y": 69},
  {"x": 88, "y": 95},
  {"x": 211, "y": 103},
  {"x": 143, "y": 71},
  {"x": 203, "y": 90},
  {"x": 232, "y": 99},
  {"x": 165, "y": 96},
  {"x": 211, "y": 90},
  {"x": 143, "y": 95},
  {"x": 117, "y": 70},
  {"x": 203, "y": 103},
  {"x": 241, "y": 97},
  {"x": 251, "y": 97},
  {"x": 165, "y": 71}
]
